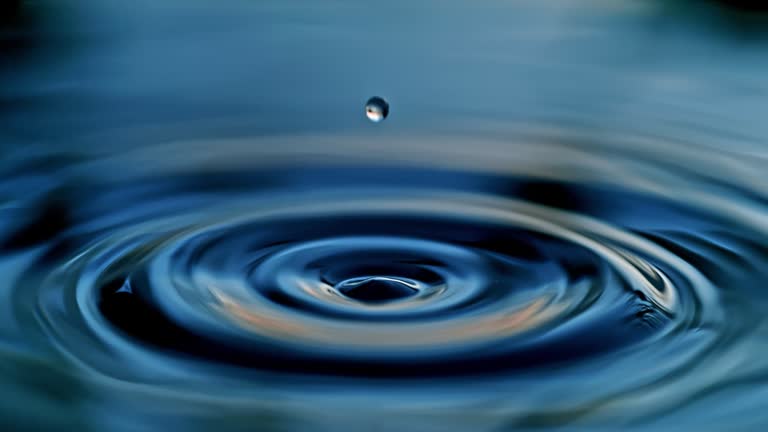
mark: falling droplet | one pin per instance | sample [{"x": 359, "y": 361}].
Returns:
[{"x": 376, "y": 109}]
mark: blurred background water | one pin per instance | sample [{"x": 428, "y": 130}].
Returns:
[{"x": 560, "y": 225}]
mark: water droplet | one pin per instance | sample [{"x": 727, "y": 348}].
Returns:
[
  {"x": 376, "y": 109},
  {"x": 377, "y": 289}
]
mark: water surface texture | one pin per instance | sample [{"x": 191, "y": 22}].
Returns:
[{"x": 562, "y": 225}]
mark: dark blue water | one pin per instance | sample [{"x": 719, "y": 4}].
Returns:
[{"x": 561, "y": 224}]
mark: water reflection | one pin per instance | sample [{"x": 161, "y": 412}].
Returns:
[{"x": 199, "y": 230}]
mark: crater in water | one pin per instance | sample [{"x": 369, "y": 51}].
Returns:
[{"x": 376, "y": 289}]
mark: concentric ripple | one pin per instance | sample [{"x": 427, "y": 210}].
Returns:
[
  {"x": 363, "y": 281},
  {"x": 508, "y": 293}
]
